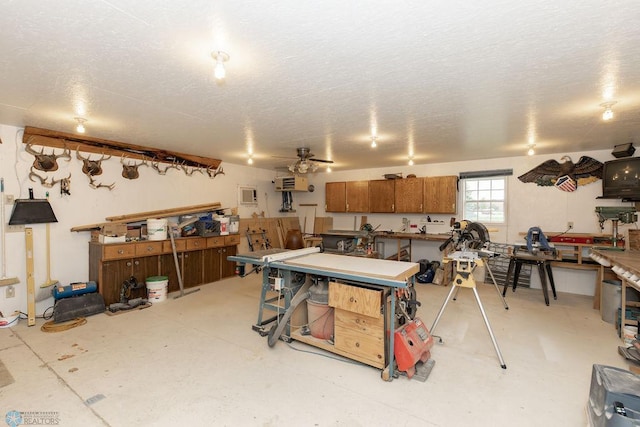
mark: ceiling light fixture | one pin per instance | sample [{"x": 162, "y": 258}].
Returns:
[
  {"x": 221, "y": 57},
  {"x": 303, "y": 166},
  {"x": 410, "y": 162},
  {"x": 329, "y": 169},
  {"x": 80, "y": 127},
  {"x": 531, "y": 151},
  {"x": 374, "y": 144},
  {"x": 608, "y": 112}
]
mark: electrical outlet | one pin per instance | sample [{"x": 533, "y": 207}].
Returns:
[
  {"x": 15, "y": 228},
  {"x": 570, "y": 225},
  {"x": 9, "y": 199},
  {"x": 10, "y": 292}
]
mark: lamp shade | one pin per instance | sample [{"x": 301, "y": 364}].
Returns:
[{"x": 32, "y": 211}]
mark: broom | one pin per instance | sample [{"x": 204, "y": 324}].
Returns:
[
  {"x": 4, "y": 281},
  {"x": 46, "y": 289}
]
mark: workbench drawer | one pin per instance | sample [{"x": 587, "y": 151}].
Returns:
[
  {"x": 181, "y": 245},
  {"x": 126, "y": 250},
  {"x": 355, "y": 299},
  {"x": 195, "y": 243},
  {"x": 148, "y": 248},
  {"x": 215, "y": 242},
  {"x": 361, "y": 336},
  {"x": 232, "y": 240}
]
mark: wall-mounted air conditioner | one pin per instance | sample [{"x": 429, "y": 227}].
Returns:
[
  {"x": 248, "y": 195},
  {"x": 292, "y": 183}
]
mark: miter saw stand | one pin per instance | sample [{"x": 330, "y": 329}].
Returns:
[{"x": 466, "y": 260}]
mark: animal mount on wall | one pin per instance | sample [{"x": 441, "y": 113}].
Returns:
[
  {"x": 65, "y": 183},
  {"x": 565, "y": 176},
  {"x": 214, "y": 172},
  {"x": 155, "y": 165},
  {"x": 47, "y": 162},
  {"x": 130, "y": 171},
  {"x": 93, "y": 168}
]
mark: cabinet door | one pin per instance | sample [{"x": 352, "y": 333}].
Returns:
[
  {"x": 114, "y": 273},
  {"x": 228, "y": 267},
  {"x": 168, "y": 268},
  {"x": 211, "y": 265},
  {"x": 440, "y": 194},
  {"x": 357, "y": 195},
  {"x": 335, "y": 197},
  {"x": 192, "y": 268},
  {"x": 381, "y": 195},
  {"x": 409, "y": 195},
  {"x": 142, "y": 268}
]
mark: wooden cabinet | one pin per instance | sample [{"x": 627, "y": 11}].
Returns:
[
  {"x": 357, "y": 196},
  {"x": 436, "y": 194},
  {"x": 409, "y": 195},
  {"x": 335, "y": 197},
  {"x": 440, "y": 194},
  {"x": 358, "y": 323},
  {"x": 111, "y": 264},
  {"x": 382, "y": 196}
]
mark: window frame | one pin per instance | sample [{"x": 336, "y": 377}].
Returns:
[{"x": 464, "y": 201}]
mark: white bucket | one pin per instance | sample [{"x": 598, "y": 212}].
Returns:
[
  {"x": 156, "y": 229},
  {"x": 157, "y": 288},
  {"x": 629, "y": 334},
  {"x": 224, "y": 225}
]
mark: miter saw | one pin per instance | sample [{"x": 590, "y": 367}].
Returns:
[
  {"x": 626, "y": 215},
  {"x": 468, "y": 235}
]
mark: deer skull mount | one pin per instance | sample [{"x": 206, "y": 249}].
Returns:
[
  {"x": 130, "y": 171},
  {"x": 47, "y": 162},
  {"x": 92, "y": 168},
  {"x": 65, "y": 183}
]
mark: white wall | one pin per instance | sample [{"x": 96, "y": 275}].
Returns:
[
  {"x": 528, "y": 205},
  {"x": 69, "y": 250}
]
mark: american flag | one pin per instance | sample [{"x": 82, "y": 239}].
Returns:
[{"x": 565, "y": 183}]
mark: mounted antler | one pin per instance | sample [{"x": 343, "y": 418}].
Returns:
[
  {"x": 130, "y": 171},
  {"x": 214, "y": 172},
  {"x": 155, "y": 165},
  {"x": 43, "y": 180},
  {"x": 47, "y": 162},
  {"x": 92, "y": 168},
  {"x": 189, "y": 171}
]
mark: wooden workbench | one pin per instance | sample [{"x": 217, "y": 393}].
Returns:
[{"x": 400, "y": 237}]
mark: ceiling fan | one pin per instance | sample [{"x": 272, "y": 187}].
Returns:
[{"x": 305, "y": 162}]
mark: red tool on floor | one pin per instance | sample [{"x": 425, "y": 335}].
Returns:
[{"x": 412, "y": 342}]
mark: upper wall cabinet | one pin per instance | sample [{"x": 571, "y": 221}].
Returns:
[
  {"x": 437, "y": 194},
  {"x": 357, "y": 193},
  {"x": 335, "y": 197},
  {"x": 409, "y": 195},
  {"x": 382, "y": 196},
  {"x": 440, "y": 194}
]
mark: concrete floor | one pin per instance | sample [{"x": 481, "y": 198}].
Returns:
[{"x": 196, "y": 361}]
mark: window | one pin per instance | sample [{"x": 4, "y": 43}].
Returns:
[{"x": 484, "y": 199}]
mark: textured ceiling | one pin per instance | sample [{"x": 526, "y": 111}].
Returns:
[{"x": 446, "y": 81}]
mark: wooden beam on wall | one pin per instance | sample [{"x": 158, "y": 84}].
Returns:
[{"x": 88, "y": 144}]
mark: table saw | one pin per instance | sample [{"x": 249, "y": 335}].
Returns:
[{"x": 368, "y": 297}]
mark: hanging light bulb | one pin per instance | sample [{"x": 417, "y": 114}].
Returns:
[
  {"x": 530, "y": 151},
  {"x": 250, "y": 160},
  {"x": 329, "y": 169},
  {"x": 608, "y": 112},
  {"x": 373, "y": 142},
  {"x": 410, "y": 162},
  {"x": 219, "y": 71},
  {"x": 80, "y": 127}
]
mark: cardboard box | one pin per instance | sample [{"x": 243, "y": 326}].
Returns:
[
  {"x": 111, "y": 239},
  {"x": 134, "y": 233},
  {"x": 114, "y": 230}
]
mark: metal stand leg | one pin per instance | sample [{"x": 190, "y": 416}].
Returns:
[
  {"x": 486, "y": 322},
  {"x": 454, "y": 290},
  {"x": 493, "y": 279}
]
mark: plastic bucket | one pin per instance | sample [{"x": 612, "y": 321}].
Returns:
[
  {"x": 611, "y": 300},
  {"x": 224, "y": 225},
  {"x": 156, "y": 229},
  {"x": 320, "y": 320},
  {"x": 157, "y": 288}
]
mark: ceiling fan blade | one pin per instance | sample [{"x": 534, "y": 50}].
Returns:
[
  {"x": 285, "y": 157},
  {"x": 320, "y": 160}
]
